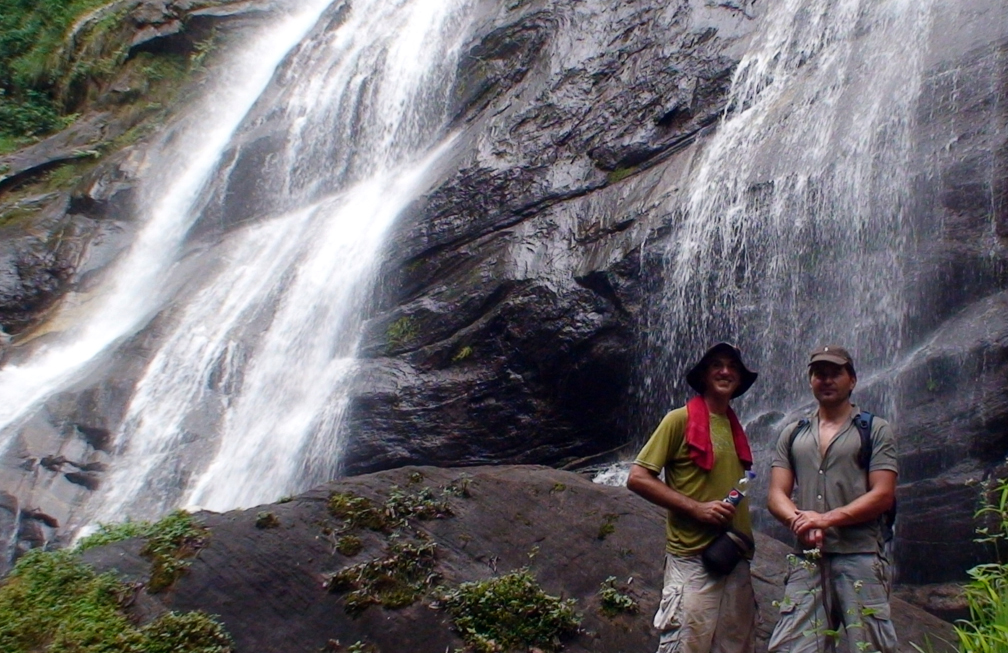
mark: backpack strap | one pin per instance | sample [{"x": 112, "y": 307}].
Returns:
[
  {"x": 802, "y": 424},
  {"x": 863, "y": 422}
]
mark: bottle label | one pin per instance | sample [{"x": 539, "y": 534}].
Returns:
[{"x": 734, "y": 497}]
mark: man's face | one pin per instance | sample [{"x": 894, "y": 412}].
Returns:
[
  {"x": 723, "y": 376},
  {"x": 832, "y": 384}
]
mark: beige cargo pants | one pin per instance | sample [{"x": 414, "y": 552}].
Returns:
[{"x": 703, "y": 613}]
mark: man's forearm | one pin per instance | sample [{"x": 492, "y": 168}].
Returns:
[
  {"x": 865, "y": 508},
  {"x": 648, "y": 486}
]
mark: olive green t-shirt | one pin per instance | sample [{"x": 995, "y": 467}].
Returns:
[{"x": 667, "y": 450}]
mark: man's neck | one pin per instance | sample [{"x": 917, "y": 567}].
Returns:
[
  {"x": 717, "y": 404},
  {"x": 835, "y": 414}
]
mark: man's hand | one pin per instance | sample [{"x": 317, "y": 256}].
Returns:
[
  {"x": 717, "y": 513},
  {"x": 805, "y": 521}
]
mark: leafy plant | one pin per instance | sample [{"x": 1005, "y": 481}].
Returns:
[
  {"x": 266, "y": 520},
  {"x": 510, "y": 612},
  {"x": 359, "y": 512},
  {"x": 608, "y": 526},
  {"x": 987, "y": 592},
  {"x": 394, "y": 581},
  {"x": 402, "y": 331},
  {"x": 170, "y": 544},
  {"x": 613, "y": 602}
]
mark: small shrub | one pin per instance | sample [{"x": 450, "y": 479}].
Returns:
[
  {"x": 357, "y": 512},
  {"x": 349, "y": 545},
  {"x": 459, "y": 487},
  {"x": 362, "y": 647},
  {"x": 394, "y": 581},
  {"x": 402, "y": 331},
  {"x": 416, "y": 477},
  {"x": 510, "y": 612},
  {"x": 192, "y": 632},
  {"x": 608, "y": 526},
  {"x": 170, "y": 543},
  {"x": 462, "y": 354},
  {"x": 266, "y": 520},
  {"x": 987, "y": 591},
  {"x": 558, "y": 488},
  {"x": 613, "y": 602},
  {"x": 401, "y": 506}
]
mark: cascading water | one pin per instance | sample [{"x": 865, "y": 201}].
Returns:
[
  {"x": 170, "y": 192},
  {"x": 794, "y": 232},
  {"x": 242, "y": 399}
]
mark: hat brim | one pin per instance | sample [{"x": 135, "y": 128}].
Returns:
[
  {"x": 695, "y": 377},
  {"x": 828, "y": 358}
]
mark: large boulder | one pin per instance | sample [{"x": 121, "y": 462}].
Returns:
[{"x": 267, "y": 579}]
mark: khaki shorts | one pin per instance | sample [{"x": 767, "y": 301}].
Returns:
[
  {"x": 702, "y": 613},
  {"x": 857, "y": 597}
]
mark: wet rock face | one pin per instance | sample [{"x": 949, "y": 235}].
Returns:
[{"x": 508, "y": 326}]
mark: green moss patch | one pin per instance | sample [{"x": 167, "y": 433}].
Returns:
[
  {"x": 171, "y": 542},
  {"x": 510, "y": 612},
  {"x": 52, "y": 602},
  {"x": 395, "y": 580}
]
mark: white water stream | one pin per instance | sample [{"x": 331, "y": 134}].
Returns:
[
  {"x": 242, "y": 400},
  {"x": 794, "y": 234}
]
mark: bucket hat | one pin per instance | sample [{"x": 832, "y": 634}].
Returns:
[{"x": 695, "y": 377}]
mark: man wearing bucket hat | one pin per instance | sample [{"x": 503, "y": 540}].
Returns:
[
  {"x": 704, "y": 452},
  {"x": 844, "y": 463}
]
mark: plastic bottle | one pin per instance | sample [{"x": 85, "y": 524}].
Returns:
[{"x": 739, "y": 491}]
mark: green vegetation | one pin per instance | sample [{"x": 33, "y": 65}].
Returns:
[
  {"x": 619, "y": 174},
  {"x": 401, "y": 506},
  {"x": 459, "y": 487},
  {"x": 266, "y": 520},
  {"x": 401, "y": 331},
  {"x": 406, "y": 570},
  {"x": 510, "y": 612},
  {"x": 349, "y": 545},
  {"x": 52, "y": 602},
  {"x": 357, "y": 512},
  {"x": 987, "y": 591},
  {"x": 462, "y": 354},
  {"x": 35, "y": 71},
  {"x": 608, "y": 526},
  {"x": 59, "y": 55},
  {"x": 170, "y": 543},
  {"x": 395, "y": 580},
  {"x": 613, "y": 602}
]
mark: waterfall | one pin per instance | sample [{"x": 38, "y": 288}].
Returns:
[
  {"x": 794, "y": 229},
  {"x": 169, "y": 206},
  {"x": 242, "y": 398}
]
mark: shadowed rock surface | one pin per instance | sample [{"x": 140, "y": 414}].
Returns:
[{"x": 267, "y": 584}]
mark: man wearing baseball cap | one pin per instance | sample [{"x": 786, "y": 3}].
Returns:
[
  {"x": 704, "y": 452},
  {"x": 844, "y": 465}
]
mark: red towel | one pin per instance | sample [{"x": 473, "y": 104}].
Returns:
[{"x": 698, "y": 439}]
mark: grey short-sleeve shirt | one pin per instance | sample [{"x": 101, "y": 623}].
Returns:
[{"x": 823, "y": 483}]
